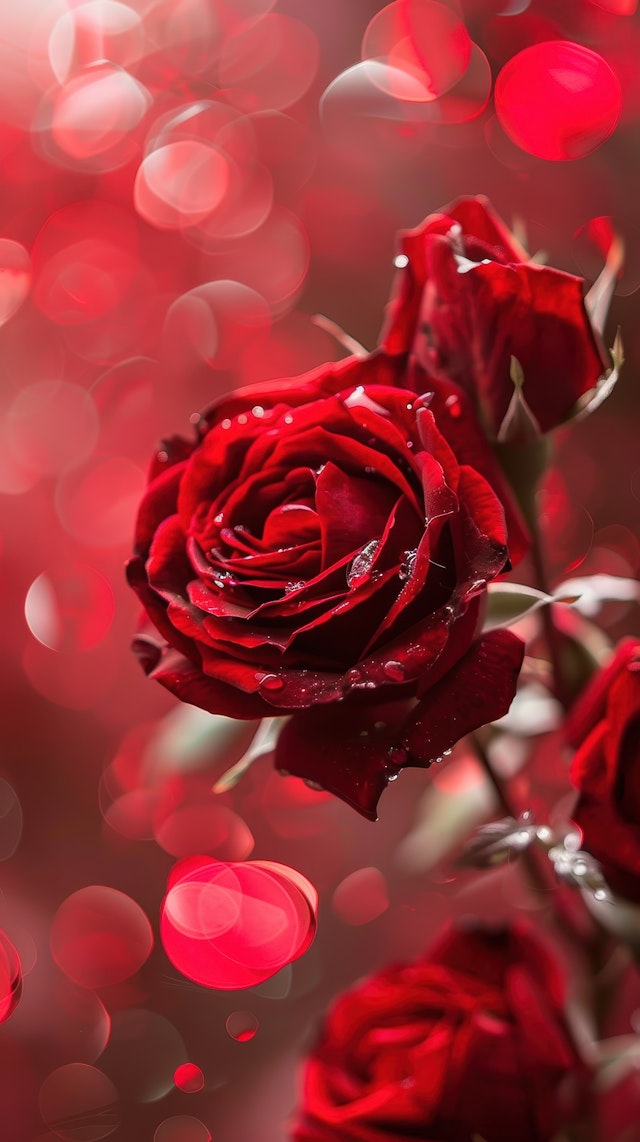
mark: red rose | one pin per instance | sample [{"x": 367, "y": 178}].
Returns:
[
  {"x": 321, "y": 550},
  {"x": 468, "y": 300},
  {"x": 604, "y": 727},
  {"x": 469, "y": 1042}
]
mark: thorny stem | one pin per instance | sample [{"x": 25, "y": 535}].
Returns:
[{"x": 583, "y": 935}]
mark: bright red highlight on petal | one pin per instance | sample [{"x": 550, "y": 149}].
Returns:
[
  {"x": 189, "y": 1078},
  {"x": 558, "y": 100},
  {"x": 10, "y": 977},
  {"x": 79, "y": 1103},
  {"x": 99, "y": 936},
  {"x": 234, "y": 925}
]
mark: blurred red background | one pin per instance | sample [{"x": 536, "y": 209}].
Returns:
[{"x": 185, "y": 183}]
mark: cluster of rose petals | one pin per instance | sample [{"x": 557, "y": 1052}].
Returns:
[
  {"x": 327, "y": 541},
  {"x": 469, "y": 300},
  {"x": 604, "y": 729},
  {"x": 470, "y": 1041}
]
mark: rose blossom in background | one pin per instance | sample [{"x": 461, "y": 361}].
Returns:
[
  {"x": 469, "y": 299},
  {"x": 469, "y": 1041},
  {"x": 604, "y": 728},
  {"x": 327, "y": 541}
]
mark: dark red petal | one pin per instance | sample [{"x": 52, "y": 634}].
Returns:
[
  {"x": 168, "y": 568},
  {"x": 457, "y": 422},
  {"x": 159, "y": 501},
  {"x": 179, "y": 675},
  {"x": 477, "y": 690},
  {"x": 346, "y": 752},
  {"x": 353, "y": 510},
  {"x": 156, "y": 609},
  {"x": 591, "y": 706}
]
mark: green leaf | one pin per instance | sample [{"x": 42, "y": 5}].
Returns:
[{"x": 509, "y": 602}]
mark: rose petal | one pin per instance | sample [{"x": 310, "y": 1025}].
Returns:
[{"x": 477, "y": 690}]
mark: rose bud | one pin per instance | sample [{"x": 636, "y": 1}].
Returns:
[
  {"x": 472, "y": 308},
  {"x": 322, "y": 550},
  {"x": 468, "y": 1042},
  {"x": 604, "y": 728}
]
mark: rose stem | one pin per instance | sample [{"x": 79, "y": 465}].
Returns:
[
  {"x": 595, "y": 945},
  {"x": 551, "y": 632}
]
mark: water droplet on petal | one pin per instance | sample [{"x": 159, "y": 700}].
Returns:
[
  {"x": 400, "y": 261},
  {"x": 271, "y": 682},
  {"x": 454, "y": 407},
  {"x": 360, "y": 568},
  {"x": 406, "y": 568},
  {"x": 353, "y": 677},
  {"x": 289, "y": 587},
  {"x": 394, "y": 670},
  {"x": 397, "y": 755},
  {"x": 313, "y": 785}
]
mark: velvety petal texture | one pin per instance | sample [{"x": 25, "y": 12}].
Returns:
[
  {"x": 327, "y": 541},
  {"x": 468, "y": 1042},
  {"x": 604, "y": 727},
  {"x": 468, "y": 299}
]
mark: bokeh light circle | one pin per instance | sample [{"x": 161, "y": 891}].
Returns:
[
  {"x": 189, "y": 1078},
  {"x": 182, "y": 1128},
  {"x": 15, "y": 277},
  {"x": 99, "y": 936},
  {"x": 79, "y": 1103},
  {"x": 422, "y": 39},
  {"x": 10, "y": 977},
  {"x": 180, "y": 183},
  {"x": 242, "y": 1026},
  {"x": 70, "y": 610},
  {"x": 52, "y": 426},
  {"x": 558, "y": 100},
  {"x": 230, "y": 926}
]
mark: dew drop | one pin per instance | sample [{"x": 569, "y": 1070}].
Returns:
[
  {"x": 313, "y": 784},
  {"x": 297, "y": 586},
  {"x": 242, "y": 418},
  {"x": 271, "y": 682},
  {"x": 394, "y": 670},
  {"x": 453, "y": 406},
  {"x": 226, "y": 423},
  {"x": 406, "y": 568},
  {"x": 400, "y": 261},
  {"x": 600, "y": 894},
  {"x": 353, "y": 677},
  {"x": 360, "y": 567},
  {"x": 163, "y": 457},
  {"x": 257, "y": 410},
  {"x": 288, "y": 418}
]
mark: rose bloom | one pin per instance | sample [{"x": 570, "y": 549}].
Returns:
[
  {"x": 604, "y": 728},
  {"x": 321, "y": 549},
  {"x": 469, "y": 299},
  {"x": 469, "y": 1042}
]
